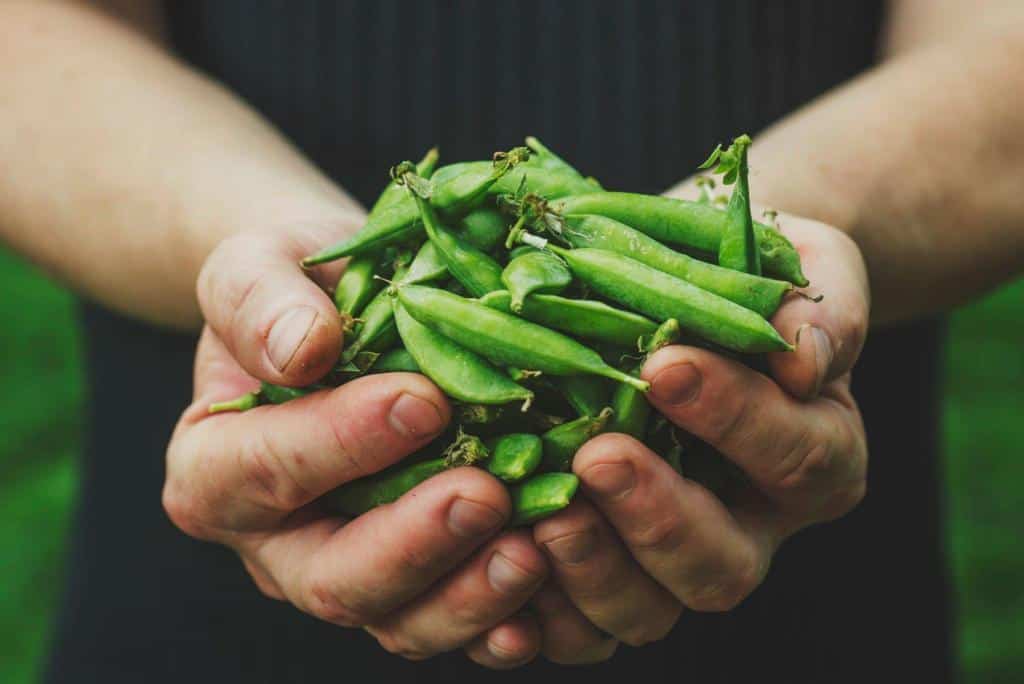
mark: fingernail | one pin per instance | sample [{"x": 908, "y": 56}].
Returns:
[
  {"x": 573, "y": 549},
  {"x": 506, "y": 577},
  {"x": 676, "y": 385},
  {"x": 415, "y": 417},
  {"x": 822, "y": 355},
  {"x": 288, "y": 334},
  {"x": 610, "y": 480},
  {"x": 471, "y": 519}
]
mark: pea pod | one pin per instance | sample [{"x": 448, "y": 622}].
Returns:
[
  {"x": 377, "y": 331},
  {"x": 400, "y": 221},
  {"x": 484, "y": 228},
  {"x": 396, "y": 361},
  {"x": 563, "y": 441},
  {"x": 541, "y": 496},
  {"x": 395, "y": 193},
  {"x": 688, "y": 224},
  {"x": 631, "y": 408},
  {"x": 550, "y": 183},
  {"x": 456, "y": 370},
  {"x": 583, "y": 318},
  {"x": 536, "y": 271},
  {"x": 503, "y": 338},
  {"x": 738, "y": 247},
  {"x": 763, "y": 295},
  {"x": 545, "y": 158},
  {"x": 587, "y": 394},
  {"x": 355, "y": 288},
  {"x": 514, "y": 456},
  {"x": 267, "y": 394},
  {"x": 428, "y": 265},
  {"x": 662, "y": 297}
]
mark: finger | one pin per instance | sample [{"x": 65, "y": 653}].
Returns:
[
  {"x": 246, "y": 471},
  {"x": 830, "y": 333},
  {"x": 513, "y": 643},
  {"x": 602, "y": 579},
  {"x": 277, "y": 322},
  {"x": 493, "y": 585},
  {"x": 675, "y": 529},
  {"x": 809, "y": 456},
  {"x": 567, "y": 637},
  {"x": 357, "y": 573}
]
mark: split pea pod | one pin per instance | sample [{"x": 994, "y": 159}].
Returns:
[
  {"x": 661, "y": 296},
  {"x": 563, "y": 441},
  {"x": 462, "y": 374},
  {"x": 355, "y": 288},
  {"x": 536, "y": 271},
  {"x": 514, "y": 456},
  {"x": 738, "y": 247},
  {"x": 688, "y": 224},
  {"x": 400, "y": 221},
  {"x": 583, "y": 318},
  {"x": 763, "y": 295},
  {"x": 503, "y": 338},
  {"x": 541, "y": 496},
  {"x": 394, "y": 192}
]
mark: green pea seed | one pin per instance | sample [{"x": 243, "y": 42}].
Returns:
[
  {"x": 541, "y": 496},
  {"x": 514, "y": 456}
]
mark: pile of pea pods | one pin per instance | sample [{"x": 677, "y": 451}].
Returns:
[{"x": 532, "y": 296}]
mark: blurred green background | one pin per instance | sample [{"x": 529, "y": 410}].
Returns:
[{"x": 40, "y": 420}]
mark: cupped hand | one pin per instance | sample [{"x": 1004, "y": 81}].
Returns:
[
  {"x": 646, "y": 544},
  {"x": 430, "y": 573}
]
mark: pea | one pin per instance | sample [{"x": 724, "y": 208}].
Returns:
[
  {"x": 503, "y": 338},
  {"x": 395, "y": 193},
  {"x": 396, "y": 361},
  {"x": 689, "y": 224},
  {"x": 662, "y": 296},
  {"x": 464, "y": 189},
  {"x": 355, "y": 288},
  {"x": 456, "y": 370},
  {"x": 582, "y": 318},
  {"x": 763, "y": 295},
  {"x": 534, "y": 271},
  {"x": 738, "y": 247},
  {"x": 541, "y": 496},
  {"x": 514, "y": 456},
  {"x": 563, "y": 441},
  {"x": 550, "y": 183}
]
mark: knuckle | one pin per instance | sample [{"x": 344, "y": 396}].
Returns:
[
  {"x": 398, "y": 643},
  {"x": 268, "y": 476},
  {"x": 726, "y": 417},
  {"x": 727, "y": 592},
  {"x": 806, "y": 463},
  {"x": 844, "y": 500},
  {"x": 647, "y": 632},
  {"x": 323, "y": 601},
  {"x": 661, "y": 534},
  {"x": 182, "y": 509}
]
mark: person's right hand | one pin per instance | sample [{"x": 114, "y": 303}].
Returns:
[{"x": 430, "y": 573}]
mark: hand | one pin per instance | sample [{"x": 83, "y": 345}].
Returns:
[
  {"x": 646, "y": 543},
  {"x": 432, "y": 572}
]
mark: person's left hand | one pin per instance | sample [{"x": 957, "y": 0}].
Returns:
[{"x": 645, "y": 543}]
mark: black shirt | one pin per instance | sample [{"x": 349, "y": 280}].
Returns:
[{"x": 633, "y": 93}]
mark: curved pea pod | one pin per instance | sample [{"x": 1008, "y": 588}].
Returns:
[
  {"x": 688, "y": 224},
  {"x": 632, "y": 410},
  {"x": 514, "y": 456},
  {"x": 458, "y": 371},
  {"x": 563, "y": 441},
  {"x": 396, "y": 361},
  {"x": 428, "y": 265},
  {"x": 543, "y": 157},
  {"x": 535, "y": 271},
  {"x": 587, "y": 394},
  {"x": 661, "y": 296},
  {"x": 377, "y": 331},
  {"x": 483, "y": 227},
  {"x": 477, "y": 271},
  {"x": 394, "y": 192},
  {"x": 583, "y": 318},
  {"x": 400, "y": 221},
  {"x": 549, "y": 183},
  {"x": 355, "y": 288},
  {"x": 503, "y": 338},
  {"x": 268, "y": 393},
  {"x": 763, "y": 295},
  {"x": 541, "y": 496},
  {"x": 738, "y": 247}
]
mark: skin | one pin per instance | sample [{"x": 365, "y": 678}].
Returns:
[{"x": 144, "y": 219}]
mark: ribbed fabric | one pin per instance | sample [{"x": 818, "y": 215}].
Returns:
[{"x": 634, "y": 93}]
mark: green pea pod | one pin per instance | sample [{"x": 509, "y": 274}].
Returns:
[
  {"x": 688, "y": 224},
  {"x": 549, "y": 183},
  {"x": 503, "y": 338},
  {"x": 661, "y": 296},
  {"x": 563, "y": 441},
  {"x": 763, "y": 295},
  {"x": 395, "y": 193},
  {"x": 541, "y": 496},
  {"x": 546, "y": 159},
  {"x": 477, "y": 414},
  {"x": 458, "y": 371},
  {"x": 582, "y": 318},
  {"x": 428, "y": 265},
  {"x": 587, "y": 394},
  {"x": 632, "y": 410},
  {"x": 514, "y": 456},
  {"x": 738, "y": 247},
  {"x": 267, "y": 394},
  {"x": 538, "y": 272},
  {"x": 400, "y": 221},
  {"x": 377, "y": 331},
  {"x": 477, "y": 272},
  {"x": 396, "y": 361},
  {"x": 355, "y": 288},
  {"x": 359, "y": 365},
  {"x": 484, "y": 228}
]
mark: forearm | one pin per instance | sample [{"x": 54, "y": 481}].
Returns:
[
  {"x": 921, "y": 161},
  {"x": 122, "y": 168}
]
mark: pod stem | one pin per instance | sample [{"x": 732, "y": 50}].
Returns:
[
  {"x": 243, "y": 403},
  {"x": 405, "y": 174}
]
